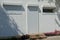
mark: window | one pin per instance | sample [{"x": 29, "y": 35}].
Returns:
[
  {"x": 38, "y": 0},
  {"x": 13, "y": 7},
  {"x": 48, "y": 10},
  {"x": 33, "y": 8},
  {"x": 50, "y": 0}
]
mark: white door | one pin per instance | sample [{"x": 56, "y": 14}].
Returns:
[
  {"x": 32, "y": 19},
  {"x": 47, "y": 21}
]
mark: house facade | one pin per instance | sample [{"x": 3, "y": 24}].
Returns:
[{"x": 19, "y": 17}]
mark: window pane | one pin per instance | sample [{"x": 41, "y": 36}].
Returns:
[
  {"x": 50, "y": 0},
  {"x": 48, "y": 10},
  {"x": 33, "y": 8},
  {"x": 13, "y": 7}
]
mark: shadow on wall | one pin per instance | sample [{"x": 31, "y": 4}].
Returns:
[
  {"x": 8, "y": 27},
  {"x": 57, "y": 22},
  {"x": 58, "y": 16},
  {"x": 57, "y": 3}
]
